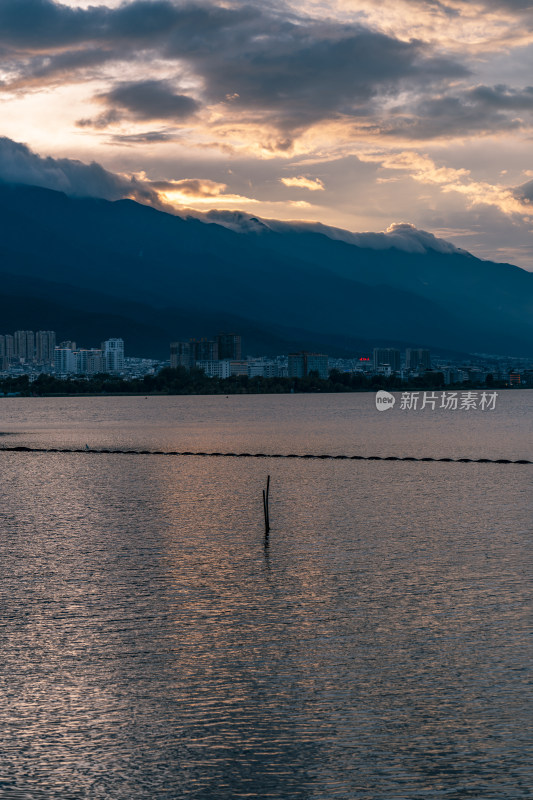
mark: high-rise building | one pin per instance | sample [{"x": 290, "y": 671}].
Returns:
[
  {"x": 45, "y": 344},
  {"x": 94, "y": 362},
  {"x": 64, "y": 361},
  {"x": 89, "y": 362},
  {"x": 386, "y": 357},
  {"x": 113, "y": 355},
  {"x": 302, "y": 364},
  {"x": 24, "y": 345},
  {"x": 30, "y": 345},
  {"x": 417, "y": 359},
  {"x": 204, "y": 350},
  {"x": 229, "y": 346},
  {"x": 296, "y": 365},
  {"x": 180, "y": 355},
  {"x": 316, "y": 362},
  {"x": 10, "y": 346},
  {"x": 19, "y": 342}
]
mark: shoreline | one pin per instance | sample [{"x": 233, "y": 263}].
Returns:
[{"x": 409, "y": 389}]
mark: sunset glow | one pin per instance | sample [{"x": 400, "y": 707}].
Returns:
[{"x": 355, "y": 114}]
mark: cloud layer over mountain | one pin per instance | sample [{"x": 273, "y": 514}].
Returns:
[
  {"x": 353, "y": 113},
  {"x": 19, "y": 165}
]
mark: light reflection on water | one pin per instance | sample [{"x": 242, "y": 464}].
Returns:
[
  {"x": 152, "y": 647},
  {"x": 338, "y": 424}
]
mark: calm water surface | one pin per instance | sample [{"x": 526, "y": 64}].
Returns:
[{"x": 152, "y": 648}]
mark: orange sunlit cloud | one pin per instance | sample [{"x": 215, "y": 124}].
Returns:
[
  {"x": 313, "y": 184},
  {"x": 242, "y": 105}
]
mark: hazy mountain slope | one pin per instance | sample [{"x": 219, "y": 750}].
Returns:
[
  {"x": 89, "y": 317},
  {"x": 292, "y": 279}
]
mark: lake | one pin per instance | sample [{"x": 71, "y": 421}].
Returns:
[{"x": 153, "y": 648}]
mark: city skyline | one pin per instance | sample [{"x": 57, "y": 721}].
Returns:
[
  {"x": 32, "y": 354},
  {"x": 42, "y": 351},
  {"x": 350, "y": 114}
]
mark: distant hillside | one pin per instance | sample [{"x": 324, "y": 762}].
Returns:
[{"x": 93, "y": 268}]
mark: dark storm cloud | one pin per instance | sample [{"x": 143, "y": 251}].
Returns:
[
  {"x": 300, "y": 72},
  {"x": 143, "y": 19},
  {"x": 304, "y": 76},
  {"x": 141, "y": 100},
  {"x": 503, "y": 97},
  {"x": 482, "y": 109},
  {"x": 59, "y": 65},
  {"x": 149, "y": 137},
  {"x": 524, "y": 192},
  {"x": 103, "y": 120},
  {"x": 42, "y": 24},
  {"x": 292, "y": 69},
  {"x": 151, "y": 99}
]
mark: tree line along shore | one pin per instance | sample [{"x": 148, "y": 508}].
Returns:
[{"x": 177, "y": 381}]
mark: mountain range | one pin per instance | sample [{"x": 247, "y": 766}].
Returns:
[{"x": 91, "y": 269}]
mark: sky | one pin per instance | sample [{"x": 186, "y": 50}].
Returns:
[{"x": 357, "y": 114}]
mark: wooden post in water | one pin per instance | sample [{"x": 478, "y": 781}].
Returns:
[{"x": 266, "y": 511}]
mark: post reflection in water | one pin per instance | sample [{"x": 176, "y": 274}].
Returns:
[{"x": 155, "y": 646}]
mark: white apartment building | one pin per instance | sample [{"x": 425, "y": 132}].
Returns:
[
  {"x": 215, "y": 369},
  {"x": 65, "y": 361},
  {"x": 262, "y": 368},
  {"x": 113, "y": 355}
]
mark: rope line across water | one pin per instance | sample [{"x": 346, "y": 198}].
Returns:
[{"x": 104, "y": 451}]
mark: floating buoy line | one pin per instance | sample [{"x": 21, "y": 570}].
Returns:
[{"x": 116, "y": 451}]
